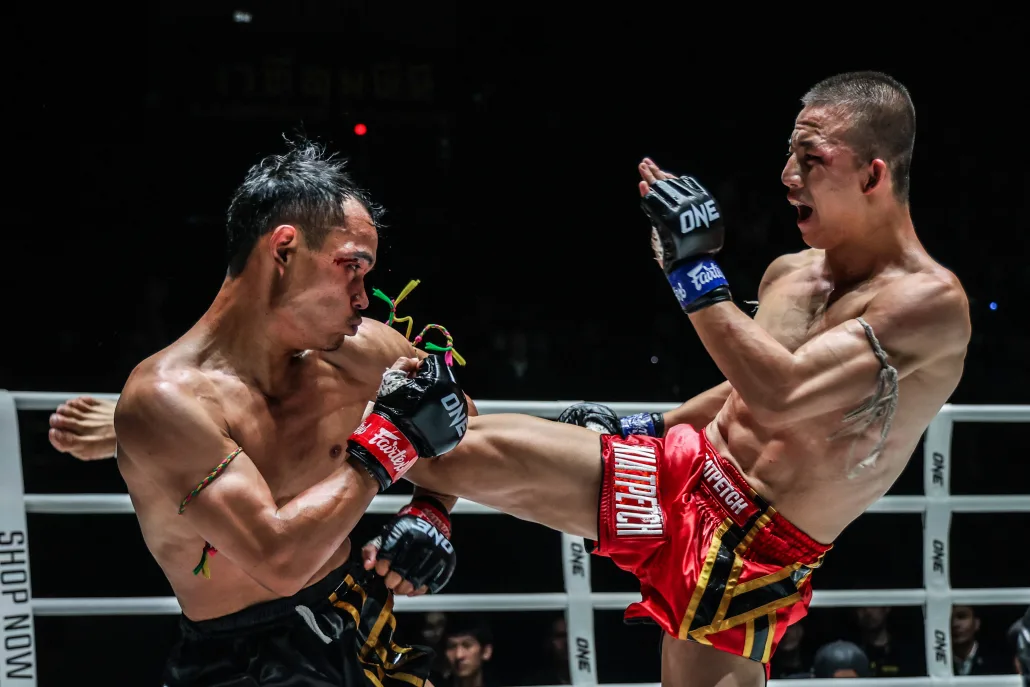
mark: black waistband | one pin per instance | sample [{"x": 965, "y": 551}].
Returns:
[{"x": 268, "y": 612}]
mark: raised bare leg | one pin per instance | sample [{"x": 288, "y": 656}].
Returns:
[
  {"x": 534, "y": 469},
  {"x": 689, "y": 664}
]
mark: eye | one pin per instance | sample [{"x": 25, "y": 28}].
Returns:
[{"x": 813, "y": 158}]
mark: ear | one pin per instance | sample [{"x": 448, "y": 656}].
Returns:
[
  {"x": 488, "y": 652},
  {"x": 976, "y": 624},
  {"x": 878, "y": 172},
  {"x": 283, "y": 244}
]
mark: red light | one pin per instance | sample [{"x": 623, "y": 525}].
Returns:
[{"x": 360, "y": 129}]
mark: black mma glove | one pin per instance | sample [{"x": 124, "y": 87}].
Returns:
[
  {"x": 603, "y": 419},
  {"x": 424, "y": 415},
  {"x": 689, "y": 226},
  {"x": 417, "y": 544}
]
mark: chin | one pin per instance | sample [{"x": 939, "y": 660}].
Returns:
[
  {"x": 818, "y": 238},
  {"x": 335, "y": 345}
]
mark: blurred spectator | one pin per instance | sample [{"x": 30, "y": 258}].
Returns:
[
  {"x": 434, "y": 627},
  {"x": 1012, "y": 645},
  {"x": 887, "y": 657},
  {"x": 968, "y": 656},
  {"x": 469, "y": 650},
  {"x": 555, "y": 669},
  {"x": 841, "y": 659},
  {"x": 788, "y": 661},
  {"x": 1022, "y": 647}
]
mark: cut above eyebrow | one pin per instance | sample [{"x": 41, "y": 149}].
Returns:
[{"x": 364, "y": 255}]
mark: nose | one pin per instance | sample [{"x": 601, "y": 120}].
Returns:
[
  {"x": 360, "y": 299},
  {"x": 791, "y": 174}
]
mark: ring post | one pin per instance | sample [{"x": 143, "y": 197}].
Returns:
[
  {"x": 17, "y": 634},
  {"x": 936, "y": 530},
  {"x": 579, "y": 616}
]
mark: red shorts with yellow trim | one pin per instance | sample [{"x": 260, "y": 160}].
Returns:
[{"x": 717, "y": 565}]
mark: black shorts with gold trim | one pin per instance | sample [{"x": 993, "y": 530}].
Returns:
[{"x": 336, "y": 632}]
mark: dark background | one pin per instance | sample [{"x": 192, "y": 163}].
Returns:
[{"x": 503, "y": 141}]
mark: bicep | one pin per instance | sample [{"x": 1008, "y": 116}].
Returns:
[{"x": 185, "y": 451}]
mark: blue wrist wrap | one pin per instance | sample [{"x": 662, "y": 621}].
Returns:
[
  {"x": 694, "y": 279},
  {"x": 641, "y": 423}
]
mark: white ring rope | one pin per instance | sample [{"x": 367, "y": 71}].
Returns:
[{"x": 18, "y": 607}]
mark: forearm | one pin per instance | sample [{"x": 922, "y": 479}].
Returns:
[
  {"x": 755, "y": 364},
  {"x": 313, "y": 525},
  {"x": 699, "y": 411}
]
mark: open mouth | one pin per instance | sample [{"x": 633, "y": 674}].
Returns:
[{"x": 804, "y": 212}]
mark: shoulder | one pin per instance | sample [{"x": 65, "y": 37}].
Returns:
[
  {"x": 786, "y": 264},
  {"x": 162, "y": 398},
  {"x": 928, "y": 307},
  {"x": 375, "y": 347}
]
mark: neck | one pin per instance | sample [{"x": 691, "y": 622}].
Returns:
[
  {"x": 886, "y": 241},
  {"x": 963, "y": 650},
  {"x": 474, "y": 680},
  {"x": 877, "y": 637},
  {"x": 241, "y": 330}
]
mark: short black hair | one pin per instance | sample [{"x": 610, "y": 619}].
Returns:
[
  {"x": 304, "y": 186},
  {"x": 882, "y": 118},
  {"x": 470, "y": 625}
]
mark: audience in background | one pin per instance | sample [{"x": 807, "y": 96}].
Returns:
[
  {"x": 469, "y": 648},
  {"x": 789, "y": 661},
  {"x": 434, "y": 629},
  {"x": 840, "y": 659},
  {"x": 553, "y": 668},
  {"x": 888, "y": 656},
  {"x": 968, "y": 656}
]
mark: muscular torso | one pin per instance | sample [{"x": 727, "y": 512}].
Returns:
[
  {"x": 801, "y": 470},
  {"x": 295, "y": 441}
]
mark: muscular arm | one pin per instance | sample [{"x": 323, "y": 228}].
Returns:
[
  {"x": 700, "y": 410},
  {"x": 176, "y": 434},
  {"x": 917, "y": 320}
]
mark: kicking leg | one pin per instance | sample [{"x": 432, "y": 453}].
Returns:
[
  {"x": 689, "y": 664},
  {"x": 534, "y": 469}
]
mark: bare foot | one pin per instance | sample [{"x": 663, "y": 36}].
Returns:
[{"x": 84, "y": 427}]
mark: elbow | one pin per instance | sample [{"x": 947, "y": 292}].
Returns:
[{"x": 281, "y": 567}]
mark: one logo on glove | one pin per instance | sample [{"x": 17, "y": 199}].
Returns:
[
  {"x": 696, "y": 215},
  {"x": 705, "y": 273},
  {"x": 459, "y": 420},
  {"x": 436, "y": 535}
]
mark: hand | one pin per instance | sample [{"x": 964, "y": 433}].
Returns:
[
  {"x": 84, "y": 428},
  {"x": 603, "y": 419},
  {"x": 414, "y": 552},
  {"x": 650, "y": 174},
  {"x": 595, "y": 416},
  {"x": 420, "y": 411},
  {"x": 687, "y": 229}
]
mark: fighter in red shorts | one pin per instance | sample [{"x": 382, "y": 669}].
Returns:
[{"x": 855, "y": 347}]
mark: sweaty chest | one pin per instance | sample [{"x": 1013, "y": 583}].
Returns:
[
  {"x": 797, "y": 310},
  {"x": 299, "y": 440}
]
